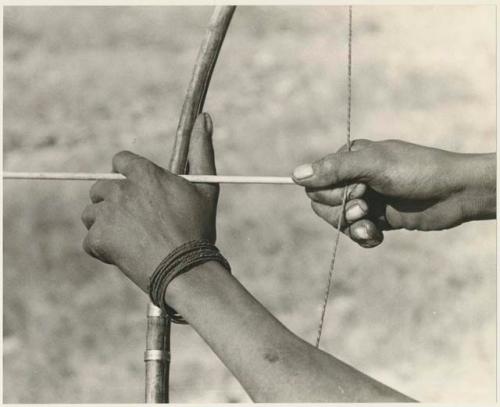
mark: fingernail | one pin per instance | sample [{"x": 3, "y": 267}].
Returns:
[
  {"x": 362, "y": 232},
  {"x": 370, "y": 243},
  {"x": 355, "y": 212},
  {"x": 303, "y": 171},
  {"x": 207, "y": 122},
  {"x": 350, "y": 191}
]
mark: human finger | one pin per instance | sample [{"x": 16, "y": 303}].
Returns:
[
  {"x": 365, "y": 233},
  {"x": 106, "y": 189},
  {"x": 335, "y": 196},
  {"x": 330, "y": 214},
  {"x": 88, "y": 215},
  {"x": 94, "y": 241},
  {"x": 338, "y": 168},
  {"x": 201, "y": 151},
  {"x": 354, "y": 210},
  {"x": 137, "y": 168}
]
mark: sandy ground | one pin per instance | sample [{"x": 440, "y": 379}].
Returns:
[{"x": 80, "y": 84}]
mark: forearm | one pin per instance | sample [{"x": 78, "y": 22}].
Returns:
[
  {"x": 271, "y": 363},
  {"x": 477, "y": 177}
]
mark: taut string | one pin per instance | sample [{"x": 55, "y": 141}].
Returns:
[{"x": 344, "y": 199}]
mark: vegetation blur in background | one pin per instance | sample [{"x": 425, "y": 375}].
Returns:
[{"x": 81, "y": 83}]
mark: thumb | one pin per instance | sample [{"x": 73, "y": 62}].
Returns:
[
  {"x": 334, "y": 169},
  {"x": 201, "y": 151}
]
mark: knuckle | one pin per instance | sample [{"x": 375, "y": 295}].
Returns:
[
  {"x": 94, "y": 189},
  {"x": 86, "y": 215},
  {"x": 313, "y": 195},
  {"x": 119, "y": 157},
  {"x": 325, "y": 166},
  {"x": 91, "y": 243},
  {"x": 360, "y": 143}
]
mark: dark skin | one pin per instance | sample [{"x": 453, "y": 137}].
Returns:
[
  {"x": 397, "y": 185},
  {"x": 136, "y": 222}
]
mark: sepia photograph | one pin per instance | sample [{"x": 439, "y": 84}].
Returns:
[{"x": 235, "y": 204}]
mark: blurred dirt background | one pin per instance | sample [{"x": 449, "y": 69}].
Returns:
[{"x": 80, "y": 84}]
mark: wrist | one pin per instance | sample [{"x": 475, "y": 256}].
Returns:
[
  {"x": 185, "y": 291},
  {"x": 182, "y": 260},
  {"x": 477, "y": 179}
]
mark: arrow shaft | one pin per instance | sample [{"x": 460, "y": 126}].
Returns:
[{"x": 82, "y": 176}]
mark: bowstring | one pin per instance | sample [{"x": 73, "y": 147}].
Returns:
[{"x": 344, "y": 199}]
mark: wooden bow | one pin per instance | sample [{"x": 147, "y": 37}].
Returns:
[{"x": 157, "y": 354}]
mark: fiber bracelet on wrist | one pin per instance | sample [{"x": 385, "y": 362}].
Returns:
[{"x": 179, "y": 261}]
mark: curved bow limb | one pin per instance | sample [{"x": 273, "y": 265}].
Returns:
[
  {"x": 198, "y": 86},
  {"x": 158, "y": 328}
]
